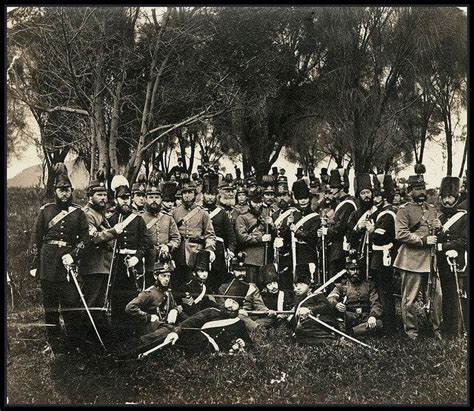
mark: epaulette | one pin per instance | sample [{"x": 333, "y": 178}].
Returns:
[
  {"x": 403, "y": 205},
  {"x": 46, "y": 205}
]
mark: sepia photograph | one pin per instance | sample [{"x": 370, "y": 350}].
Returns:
[{"x": 236, "y": 205}]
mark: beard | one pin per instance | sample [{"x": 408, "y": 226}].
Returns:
[
  {"x": 124, "y": 208},
  {"x": 154, "y": 208},
  {"x": 188, "y": 204},
  {"x": 419, "y": 198},
  {"x": 63, "y": 201},
  {"x": 283, "y": 204}
]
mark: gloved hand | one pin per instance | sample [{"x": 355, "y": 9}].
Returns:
[
  {"x": 304, "y": 312},
  {"x": 272, "y": 313},
  {"x": 154, "y": 318},
  {"x": 118, "y": 228},
  {"x": 212, "y": 256},
  {"x": 429, "y": 240},
  {"x": 341, "y": 307},
  {"x": 266, "y": 238},
  {"x": 132, "y": 261},
  {"x": 243, "y": 312},
  {"x": 33, "y": 272},
  {"x": 278, "y": 243},
  {"x": 230, "y": 255},
  {"x": 188, "y": 300},
  {"x": 171, "y": 338},
  {"x": 67, "y": 260},
  {"x": 451, "y": 253},
  {"x": 371, "y": 322},
  {"x": 268, "y": 220},
  {"x": 164, "y": 250},
  {"x": 370, "y": 226},
  {"x": 322, "y": 231}
]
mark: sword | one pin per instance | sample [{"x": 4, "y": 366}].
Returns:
[
  {"x": 144, "y": 354},
  {"x": 341, "y": 333},
  {"x": 73, "y": 273},
  {"x": 454, "y": 269},
  {"x": 256, "y": 312}
]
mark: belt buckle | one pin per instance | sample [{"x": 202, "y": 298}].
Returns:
[{"x": 359, "y": 310}]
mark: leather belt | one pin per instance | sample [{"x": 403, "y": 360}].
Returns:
[
  {"x": 196, "y": 240},
  {"x": 127, "y": 251},
  {"x": 58, "y": 243}
]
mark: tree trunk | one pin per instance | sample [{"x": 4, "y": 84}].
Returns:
[
  {"x": 463, "y": 162},
  {"x": 449, "y": 143}
]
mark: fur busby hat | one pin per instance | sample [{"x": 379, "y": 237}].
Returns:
[
  {"x": 168, "y": 190},
  {"x": 256, "y": 194},
  {"x": 363, "y": 181},
  {"x": 238, "y": 262},
  {"x": 417, "y": 179},
  {"x": 139, "y": 187},
  {"x": 300, "y": 189},
  {"x": 210, "y": 183},
  {"x": 324, "y": 176},
  {"x": 97, "y": 185},
  {"x": 61, "y": 178},
  {"x": 302, "y": 274},
  {"x": 202, "y": 261},
  {"x": 269, "y": 274},
  {"x": 299, "y": 172},
  {"x": 450, "y": 186},
  {"x": 339, "y": 178},
  {"x": 120, "y": 186}
]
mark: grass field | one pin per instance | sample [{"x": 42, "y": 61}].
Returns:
[{"x": 274, "y": 371}]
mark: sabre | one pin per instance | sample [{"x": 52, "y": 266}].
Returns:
[
  {"x": 152, "y": 350},
  {"x": 266, "y": 312},
  {"x": 454, "y": 269},
  {"x": 341, "y": 333},
  {"x": 107, "y": 302},
  {"x": 323, "y": 248},
  {"x": 73, "y": 273}
]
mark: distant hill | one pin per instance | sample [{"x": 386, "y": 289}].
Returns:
[{"x": 31, "y": 176}]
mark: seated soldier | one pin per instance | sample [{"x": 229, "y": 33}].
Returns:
[
  {"x": 210, "y": 330},
  {"x": 358, "y": 299},
  {"x": 307, "y": 331},
  {"x": 192, "y": 294},
  {"x": 274, "y": 298},
  {"x": 155, "y": 307},
  {"x": 253, "y": 299}
]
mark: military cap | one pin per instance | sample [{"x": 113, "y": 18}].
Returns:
[
  {"x": 417, "y": 180},
  {"x": 450, "y": 186},
  {"x": 238, "y": 290},
  {"x": 351, "y": 263},
  {"x": 178, "y": 194},
  {"x": 188, "y": 186},
  {"x": 162, "y": 267},
  {"x": 300, "y": 189},
  {"x": 202, "y": 261},
  {"x": 168, "y": 190},
  {"x": 238, "y": 262},
  {"x": 241, "y": 189},
  {"x": 139, "y": 187},
  {"x": 210, "y": 183},
  {"x": 256, "y": 194},
  {"x": 269, "y": 274},
  {"x": 119, "y": 186}
]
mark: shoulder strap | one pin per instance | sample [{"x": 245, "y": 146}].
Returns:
[
  {"x": 282, "y": 216},
  {"x": 188, "y": 216},
  {"x": 63, "y": 214},
  {"x": 447, "y": 225},
  {"x": 215, "y": 212},
  {"x": 304, "y": 219},
  {"x": 153, "y": 221},
  {"x": 201, "y": 295},
  {"x": 281, "y": 297},
  {"x": 348, "y": 201},
  {"x": 129, "y": 219},
  {"x": 386, "y": 212}
]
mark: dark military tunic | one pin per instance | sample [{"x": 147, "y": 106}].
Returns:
[{"x": 198, "y": 291}]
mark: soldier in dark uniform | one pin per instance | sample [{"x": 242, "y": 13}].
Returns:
[
  {"x": 274, "y": 298},
  {"x": 358, "y": 299},
  {"x": 225, "y": 235},
  {"x": 58, "y": 239},
  {"x": 168, "y": 192},
  {"x": 452, "y": 244},
  {"x": 197, "y": 233},
  {"x": 305, "y": 232},
  {"x": 344, "y": 205},
  {"x": 253, "y": 299},
  {"x": 132, "y": 244},
  {"x": 155, "y": 309},
  {"x": 161, "y": 227},
  {"x": 384, "y": 251},
  {"x": 305, "y": 330},
  {"x": 139, "y": 194},
  {"x": 360, "y": 223},
  {"x": 252, "y": 237},
  {"x": 413, "y": 225},
  {"x": 193, "y": 295}
]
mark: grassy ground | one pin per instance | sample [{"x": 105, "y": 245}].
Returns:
[{"x": 274, "y": 371}]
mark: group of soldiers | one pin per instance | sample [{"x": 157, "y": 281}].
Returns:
[{"x": 205, "y": 261}]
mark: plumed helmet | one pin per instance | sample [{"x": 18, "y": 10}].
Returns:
[
  {"x": 139, "y": 187},
  {"x": 256, "y": 194},
  {"x": 98, "y": 184},
  {"x": 238, "y": 262}
]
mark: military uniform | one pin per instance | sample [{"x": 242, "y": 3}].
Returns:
[
  {"x": 134, "y": 241},
  {"x": 225, "y": 239},
  {"x": 239, "y": 209},
  {"x": 163, "y": 231},
  {"x": 197, "y": 233},
  {"x": 198, "y": 291},
  {"x": 59, "y": 230},
  {"x": 362, "y": 302},
  {"x": 412, "y": 224}
]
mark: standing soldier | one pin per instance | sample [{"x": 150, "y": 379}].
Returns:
[
  {"x": 413, "y": 225},
  {"x": 360, "y": 224},
  {"x": 452, "y": 249},
  {"x": 224, "y": 231},
  {"x": 241, "y": 203},
  {"x": 58, "y": 240},
  {"x": 139, "y": 194},
  {"x": 127, "y": 276},
  {"x": 94, "y": 269},
  {"x": 168, "y": 192},
  {"x": 162, "y": 229},
  {"x": 338, "y": 245},
  {"x": 197, "y": 233},
  {"x": 251, "y": 237},
  {"x": 384, "y": 251}
]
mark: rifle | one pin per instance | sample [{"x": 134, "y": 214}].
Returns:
[
  {"x": 454, "y": 269},
  {"x": 432, "y": 276},
  {"x": 73, "y": 273},
  {"x": 265, "y": 257},
  {"x": 110, "y": 280},
  {"x": 323, "y": 249}
]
